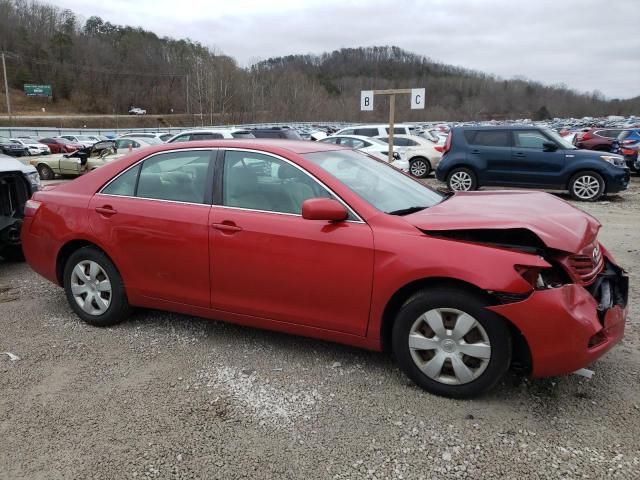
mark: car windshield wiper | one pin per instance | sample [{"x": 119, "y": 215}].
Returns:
[{"x": 406, "y": 211}]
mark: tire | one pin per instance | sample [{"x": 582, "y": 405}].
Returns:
[
  {"x": 45, "y": 172},
  {"x": 454, "y": 373},
  {"x": 81, "y": 271},
  {"x": 587, "y": 186},
  {"x": 419, "y": 167},
  {"x": 462, "y": 179}
]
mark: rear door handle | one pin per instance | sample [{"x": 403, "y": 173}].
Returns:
[
  {"x": 520, "y": 154},
  {"x": 475, "y": 151},
  {"x": 227, "y": 227},
  {"x": 107, "y": 210}
]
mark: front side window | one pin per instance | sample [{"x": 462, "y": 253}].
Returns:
[
  {"x": 530, "y": 139},
  {"x": 257, "y": 181},
  {"x": 182, "y": 138},
  {"x": 378, "y": 183},
  {"x": 397, "y": 130},
  {"x": 352, "y": 142},
  {"x": 332, "y": 140}
]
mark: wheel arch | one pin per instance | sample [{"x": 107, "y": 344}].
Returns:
[
  {"x": 521, "y": 352},
  {"x": 69, "y": 249}
]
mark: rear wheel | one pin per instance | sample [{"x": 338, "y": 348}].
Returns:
[
  {"x": 95, "y": 289},
  {"x": 449, "y": 344},
  {"x": 462, "y": 180},
  {"x": 419, "y": 167},
  {"x": 586, "y": 186},
  {"x": 45, "y": 172}
]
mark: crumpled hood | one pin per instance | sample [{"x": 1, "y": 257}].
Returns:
[{"x": 558, "y": 224}]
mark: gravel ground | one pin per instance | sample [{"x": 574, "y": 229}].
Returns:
[{"x": 171, "y": 396}]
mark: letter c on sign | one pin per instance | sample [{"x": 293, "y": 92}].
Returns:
[{"x": 418, "y": 99}]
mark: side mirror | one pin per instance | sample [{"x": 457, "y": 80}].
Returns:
[
  {"x": 549, "y": 147},
  {"x": 324, "y": 209}
]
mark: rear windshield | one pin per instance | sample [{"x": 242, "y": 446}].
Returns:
[{"x": 488, "y": 138}]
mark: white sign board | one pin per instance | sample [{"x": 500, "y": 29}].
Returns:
[
  {"x": 366, "y": 100},
  {"x": 417, "y": 98}
]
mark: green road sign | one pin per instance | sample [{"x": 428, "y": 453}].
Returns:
[{"x": 37, "y": 90}]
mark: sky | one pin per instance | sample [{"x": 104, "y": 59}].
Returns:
[{"x": 586, "y": 45}]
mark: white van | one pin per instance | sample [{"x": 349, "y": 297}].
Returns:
[{"x": 375, "y": 130}]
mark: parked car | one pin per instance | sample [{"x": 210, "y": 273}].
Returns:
[
  {"x": 17, "y": 183},
  {"x": 156, "y": 137},
  {"x": 210, "y": 134},
  {"x": 597, "y": 139},
  {"x": 275, "y": 132},
  {"x": 628, "y": 144},
  {"x": 422, "y": 154},
  {"x": 137, "y": 111},
  {"x": 375, "y": 130},
  {"x": 528, "y": 157},
  {"x": 32, "y": 147},
  {"x": 12, "y": 148},
  {"x": 60, "y": 145},
  {"x": 372, "y": 146},
  {"x": 84, "y": 140},
  {"x": 311, "y": 239},
  {"x": 79, "y": 161},
  {"x": 123, "y": 144}
]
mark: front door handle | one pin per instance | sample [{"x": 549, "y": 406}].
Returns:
[
  {"x": 520, "y": 154},
  {"x": 107, "y": 210},
  {"x": 227, "y": 227}
]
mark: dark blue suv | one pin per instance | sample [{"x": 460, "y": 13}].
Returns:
[{"x": 528, "y": 157}]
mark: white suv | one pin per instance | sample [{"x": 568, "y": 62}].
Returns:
[{"x": 374, "y": 130}]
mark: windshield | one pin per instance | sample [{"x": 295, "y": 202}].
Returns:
[
  {"x": 559, "y": 140},
  {"x": 378, "y": 183}
]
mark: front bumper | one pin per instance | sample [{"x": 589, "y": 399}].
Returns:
[
  {"x": 619, "y": 181},
  {"x": 567, "y": 328}
]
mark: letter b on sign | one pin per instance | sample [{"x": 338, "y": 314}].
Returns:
[
  {"x": 366, "y": 100},
  {"x": 417, "y": 98}
]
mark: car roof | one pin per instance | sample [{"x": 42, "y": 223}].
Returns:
[
  {"x": 376, "y": 125},
  {"x": 213, "y": 130},
  {"x": 500, "y": 127},
  {"x": 271, "y": 145},
  {"x": 357, "y": 137}
]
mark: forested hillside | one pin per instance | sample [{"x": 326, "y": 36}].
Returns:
[{"x": 97, "y": 67}]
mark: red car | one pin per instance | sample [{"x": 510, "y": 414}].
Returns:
[
  {"x": 311, "y": 239},
  {"x": 61, "y": 145},
  {"x": 597, "y": 138}
]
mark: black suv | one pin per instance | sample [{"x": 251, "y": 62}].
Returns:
[
  {"x": 276, "y": 132},
  {"x": 528, "y": 157}
]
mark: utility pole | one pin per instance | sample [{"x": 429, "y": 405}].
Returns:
[{"x": 6, "y": 86}]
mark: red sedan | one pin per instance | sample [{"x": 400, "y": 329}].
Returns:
[
  {"x": 310, "y": 239},
  {"x": 60, "y": 145}
]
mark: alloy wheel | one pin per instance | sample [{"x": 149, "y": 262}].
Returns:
[
  {"x": 449, "y": 346},
  {"x": 91, "y": 287},
  {"x": 418, "y": 168},
  {"x": 586, "y": 187},
  {"x": 461, "y": 181}
]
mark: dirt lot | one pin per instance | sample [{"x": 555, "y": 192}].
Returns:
[{"x": 170, "y": 396}]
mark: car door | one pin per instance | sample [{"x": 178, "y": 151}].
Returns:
[
  {"x": 269, "y": 262},
  {"x": 535, "y": 165},
  {"x": 490, "y": 154},
  {"x": 154, "y": 221}
]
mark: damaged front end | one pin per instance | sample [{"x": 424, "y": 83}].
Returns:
[
  {"x": 14, "y": 193},
  {"x": 576, "y": 308}
]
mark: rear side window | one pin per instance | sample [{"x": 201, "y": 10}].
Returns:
[
  {"x": 488, "y": 138},
  {"x": 398, "y": 130},
  {"x": 125, "y": 184},
  {"x": 266, "y": 134},
  {"x": 348, "y": 131},
  {"x": 366, "y": 132},
  {"x": 242, "y": 134}
]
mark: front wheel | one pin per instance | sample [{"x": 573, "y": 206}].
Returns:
[
  {"x": 45, "y": 172},
  {"x": 94, "y": 288},
  {"x": 462, "y": 180},
  {"x": 586, "y": 186},
  {"x": 419, "y": 167},
  {"x": 449, "y": 344}
]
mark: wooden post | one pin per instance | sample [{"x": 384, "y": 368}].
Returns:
[
  {"x": 6, "y": 87},
  {"x": 392, "y": 119}
]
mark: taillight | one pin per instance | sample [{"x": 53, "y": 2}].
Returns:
[
  {"x": 31, "y": 207},
  {"x": 587, "y": 136},
  {"x": 447, "y": 144},
  {"x": 439, "y": 148},
  {"x": 628, "y": 142}
]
